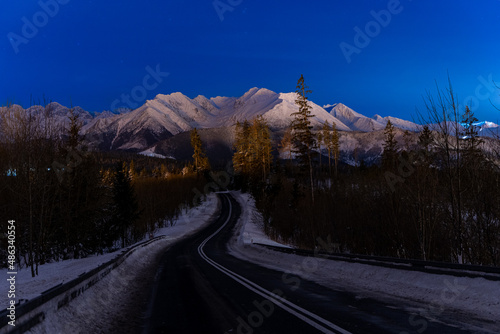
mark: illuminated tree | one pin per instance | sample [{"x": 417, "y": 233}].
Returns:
[{"x": 200, "y": 159}]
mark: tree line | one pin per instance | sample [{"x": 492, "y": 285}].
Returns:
[
  {"x": 69, "y": 202},
  {"x": 433, "y": 196}
]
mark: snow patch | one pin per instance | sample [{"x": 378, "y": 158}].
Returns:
[
  {"x": 252, "y": 228},
  {"x": 150, "y": 153}
]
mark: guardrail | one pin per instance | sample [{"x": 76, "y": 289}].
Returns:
[
  {"x": 34, "y": 311},
  {"x": 432, "y": 267}
]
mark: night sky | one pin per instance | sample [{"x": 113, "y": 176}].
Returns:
[{"x": 89, "y": 53}]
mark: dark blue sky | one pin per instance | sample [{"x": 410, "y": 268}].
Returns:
[{"x": 89, "y": 53}]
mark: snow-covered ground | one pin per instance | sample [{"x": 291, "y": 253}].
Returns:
[
  {"x": 113, "y": 286},
  {"x": 252, "y": 231},
  {"x": 475, "y": 300}
]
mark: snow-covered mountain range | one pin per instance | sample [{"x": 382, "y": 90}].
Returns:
[{"x": 168, "y": 115}]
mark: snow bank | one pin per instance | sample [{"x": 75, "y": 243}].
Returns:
[
  {"x": 250, "y": 225},
  {"x": 429, "y": 294},
  {"x": 100, "y": 303}
]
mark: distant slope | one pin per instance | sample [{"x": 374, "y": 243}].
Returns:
[
  {"x": 359, "y": 122},
  {"x": 354, "y": 120}
]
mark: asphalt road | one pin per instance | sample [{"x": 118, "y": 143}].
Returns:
[{"x": 200, "y": 288}]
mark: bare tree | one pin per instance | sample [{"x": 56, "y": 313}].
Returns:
[{"x": 444, "y": 116}]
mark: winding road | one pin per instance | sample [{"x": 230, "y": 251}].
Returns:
[{"x": 200, "y": 288}]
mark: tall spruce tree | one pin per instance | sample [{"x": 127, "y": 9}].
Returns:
[
  {"x": 200, "y": 159},
  {"x": 425, "y": 138},
  {"x": 261, "y": 147},
  {"x": 390, "y": 146},
  {"x": 472, "y": 152},
  {"x": 253, "y": 149},
  {"x": 286, "y": 143},
  {"x": 125, "y": 206},
  {"x": 303, "y": 138},
  {"x": 331, "y": 139},
  {"x": 324, "y": 139},
  {"x": 241, "y": 143}
]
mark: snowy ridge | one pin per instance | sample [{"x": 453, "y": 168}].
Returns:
[
  {"x": 359, "y": 122},
  {"x": 54, "y": 114},
  {"x": 352, "y": 119},
  {"x": 402, "y": 124}
]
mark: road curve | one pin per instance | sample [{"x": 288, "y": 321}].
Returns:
[{"x": 199, "y": 288}]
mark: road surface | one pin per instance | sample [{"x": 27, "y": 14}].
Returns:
[{"x": 200, "y": 288}]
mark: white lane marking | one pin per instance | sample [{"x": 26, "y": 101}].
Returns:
[{"x": 277, "y": 300}]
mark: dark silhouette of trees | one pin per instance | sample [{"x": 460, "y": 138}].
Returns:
[
  {"x": 303, "y": 139},
  {"x": 390, "y": 146},
  {"x": 441, "y": 202},
  {"x": 125, "y": 208}
]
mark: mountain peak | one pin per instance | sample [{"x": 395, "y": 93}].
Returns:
[{"x": 255, "y": 91}]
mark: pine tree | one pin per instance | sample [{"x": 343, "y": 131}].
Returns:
[
  {"x": 326, "y": 137},
  {"x": 75, "y": 126},
  {"x": 286, "y": 142},
  {"x": 241, "y": 144},
  {"x": 125, "y": 206},
  {"x": 132, "y": 171},
  {"x": 333, "y": 146},
  {"x": 200, "y": 159},
  {"x": 470, "y": 134},
  {"x": 407, "y": 140},
  {"x": 425, "y": 138},
  {"x": 253, "y": 149},
  {"x": 320, "y": 140},
  {"x": 303, "y": 138},
  {"x": 262, "y": 146},
  {"x": 390, "y": 146}
]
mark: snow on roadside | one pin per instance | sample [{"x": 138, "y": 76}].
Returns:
[
  {"x": 52, "y": 274},
  {"x": 431, "y": 294},
  {"x": 112, "y": 304},
  {"x": 252, "y": 229}
]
